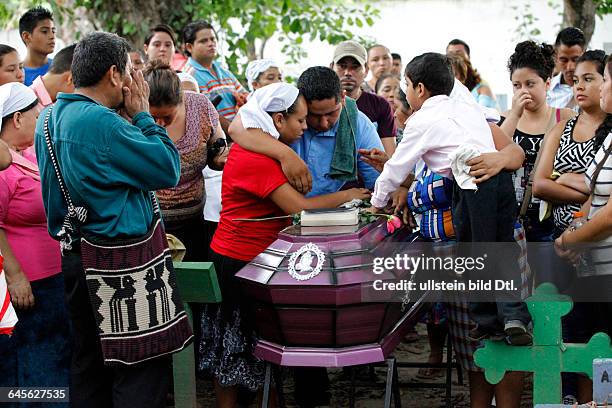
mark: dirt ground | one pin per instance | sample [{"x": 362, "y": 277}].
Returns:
[{"x": 371, "y": 395}]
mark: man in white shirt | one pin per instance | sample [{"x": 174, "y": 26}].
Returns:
[
  {"x": 569, "y": 46},
  {"x": 439, "y": 127}
]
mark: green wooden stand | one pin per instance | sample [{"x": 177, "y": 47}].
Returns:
[
  {"x": 549, "y": 356},
  {"x": 197, "y": 283}
]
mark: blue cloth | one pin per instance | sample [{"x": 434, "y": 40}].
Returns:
[
  {"x": 108, "y": 164},
  {"x": 317, "y": 149},
  {"x": 484, "y": 100},
  {"x": 220, "y": 82},
  {"x": 38, "y": 353},
  {"x": 32, "y": 73},
  {"x": 431, "y": 196}
]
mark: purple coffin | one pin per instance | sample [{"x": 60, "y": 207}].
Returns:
[{"x": 308, "y": 291}]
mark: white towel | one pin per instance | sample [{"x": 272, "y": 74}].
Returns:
[{"x": 459, "y": 167}]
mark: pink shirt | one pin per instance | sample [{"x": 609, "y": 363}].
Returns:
[
  {"x": 44, "y": 99},
  {"x": 23, "y": 219}
]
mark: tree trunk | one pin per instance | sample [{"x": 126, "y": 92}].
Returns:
[{"x": 580, "y": 14}]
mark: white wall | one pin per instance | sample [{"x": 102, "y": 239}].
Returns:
[{"x": 412, "y": 27}]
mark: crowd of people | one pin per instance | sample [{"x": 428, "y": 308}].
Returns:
[{"x": 88, "y": 134}]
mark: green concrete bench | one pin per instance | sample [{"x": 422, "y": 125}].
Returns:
[{"x": 197, "y": 283}]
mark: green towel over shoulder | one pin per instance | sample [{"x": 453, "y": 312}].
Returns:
[{"x": 344, "y": 161}]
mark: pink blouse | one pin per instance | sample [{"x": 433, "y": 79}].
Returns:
[{"x": 23, "y": 219}]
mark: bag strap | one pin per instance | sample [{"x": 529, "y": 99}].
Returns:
[
  {"x": 555, "y": 117},
  {"x": 76, "y": 216}
]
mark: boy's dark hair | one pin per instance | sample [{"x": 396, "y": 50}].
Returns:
[
  {"x": 4, "y": 50},
  {"x": 434, "y": 71},
  {"x": 191, "y": 30},
  {"x": 32, "y": 17},
  {"x": 164, "y": 84},
  {"x": 396, "y": 56},
  {"x": 538, "y": 57},
  {"x": 457, "y": 41},
  {"x": 319, "y": 83},
  {"x": 95, "y": 54},
  {"x": 569, "y": 37},
  {"x": 161, "y": 28},
  {"x": 63, "y": 60}
]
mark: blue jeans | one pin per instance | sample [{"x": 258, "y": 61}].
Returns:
[{"x": 38, "y": 353}]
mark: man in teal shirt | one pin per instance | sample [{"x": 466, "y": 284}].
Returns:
[{"x": 109, "y": 163}]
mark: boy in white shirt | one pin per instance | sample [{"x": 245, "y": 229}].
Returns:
[{"x": 437, "y": 129}]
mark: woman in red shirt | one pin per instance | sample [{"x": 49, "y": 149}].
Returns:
[{"x": 254, "y": 186}]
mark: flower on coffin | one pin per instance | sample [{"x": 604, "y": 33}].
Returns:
[{"x": 393, "y": 222}]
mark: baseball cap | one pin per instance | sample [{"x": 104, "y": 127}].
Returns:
[{"x": 350, "y": 49}]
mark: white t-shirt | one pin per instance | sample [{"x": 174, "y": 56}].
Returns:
[
  {"x": 212, "y": 194},
  {"x": 8, "y": 317}
]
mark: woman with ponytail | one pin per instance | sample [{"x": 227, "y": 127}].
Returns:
[
  {"x": 570, "y": 146},
  {"x": 193, "y": 125}
]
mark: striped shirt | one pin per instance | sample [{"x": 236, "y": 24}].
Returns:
[
  {"x": 571, "y": 157},
  {"x": 8, "y": 318},
  {"x": 560, "y": 95},
  {"x": 601, "y": 252},
  {"x": 216, "y": 82}
]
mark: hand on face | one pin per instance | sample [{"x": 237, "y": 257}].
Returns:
[
  {"x": 520, "y": 99},
  {"x": 136, "y": 95}
]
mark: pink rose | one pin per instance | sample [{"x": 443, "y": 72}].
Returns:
[{"x": 393, "y": 222}]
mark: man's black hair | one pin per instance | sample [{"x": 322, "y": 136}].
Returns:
[
  {"x": 569, "y": 37},
  {"x": 63, "y": 60},
  {"x": 161, "y": 28},
  {"x": 95, "y": 54},
  {"x": 396, "y": 56},
  {"x": 457, "y": 41},
  {"x": 191, "y": 30},
  {"x": 32, "y": 17},
  {"x": 319, "y": 83},
  {"x": 434, "y": 71}
]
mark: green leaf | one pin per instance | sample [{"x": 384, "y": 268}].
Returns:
[{"x": 295, "y": 26}]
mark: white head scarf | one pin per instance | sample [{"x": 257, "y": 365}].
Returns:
[
  {"x": 271, "y": 98},
  {"x": 15, "y": 96},
  {"x": 257, "y": 67},
  {"x": 185, "y": 77}
]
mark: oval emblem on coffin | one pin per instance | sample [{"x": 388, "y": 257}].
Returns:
[{"x": 306, "y": 262}]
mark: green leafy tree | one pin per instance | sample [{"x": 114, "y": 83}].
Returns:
[
  {"x": 246, "y": 26},
  {"x": 581, "y": 14}
]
